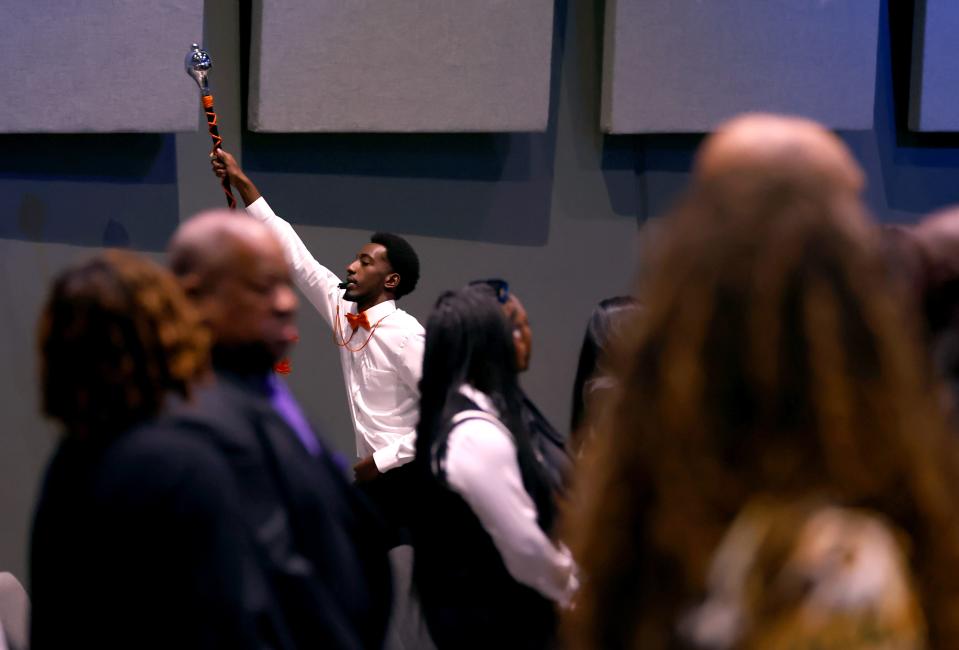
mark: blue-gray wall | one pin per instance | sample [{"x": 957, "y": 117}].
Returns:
[{"x": 561, "y": 214}]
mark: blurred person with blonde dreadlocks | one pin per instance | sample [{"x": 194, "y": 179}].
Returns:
[{"x": 773, "y": 470}]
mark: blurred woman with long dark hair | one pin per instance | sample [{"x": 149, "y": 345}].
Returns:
[
  {"x": 487, "y": 567},
  {"x": 594, "y": 380}
]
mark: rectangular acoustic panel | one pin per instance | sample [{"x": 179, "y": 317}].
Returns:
[
  {"x": 74, "y": 66},
  {"x": 934, "y": 100},
  {"x": 674, "y": 66},
  {"x": 411, "y": 66}
]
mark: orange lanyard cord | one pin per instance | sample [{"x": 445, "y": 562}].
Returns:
[{"x": 345, "y": 342}]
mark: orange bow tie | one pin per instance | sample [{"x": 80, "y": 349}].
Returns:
[{"x": 357, "y": 321}]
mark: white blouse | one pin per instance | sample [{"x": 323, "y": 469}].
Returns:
[{"x": 481, "y": 467}]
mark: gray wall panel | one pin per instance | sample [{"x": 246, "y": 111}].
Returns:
[
  {"x": 935, "y": 74},
  {"x": 413, "y": 66},
  {"x": 70, "y": 66},
  {"x": 674, "y": 66}
]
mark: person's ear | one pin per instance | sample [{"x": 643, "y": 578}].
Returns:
[{"x": 392, "y": 281}]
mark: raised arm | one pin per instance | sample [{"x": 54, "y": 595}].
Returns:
[
  {"x": 316, "y": 281},
  {"x": 226, "y": 167}
]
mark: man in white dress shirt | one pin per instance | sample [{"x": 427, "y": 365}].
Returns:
[{"x": 381, "y": 346}]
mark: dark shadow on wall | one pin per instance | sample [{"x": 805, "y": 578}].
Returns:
[
  {"x": 916, "y": 172},
  {"x": 663, "y": 163},
  {"x": 660, "y": 163},
  {"x": 89, "y": 189},
  {"x": 484, "y": 187},
  {"x": 644, "y": 173},
  {"x": 477, "y": 187},
  {"x": 658, "y": 166},
  {"x": 619, "y": 161},
  {"x": 615, "y": 155}
]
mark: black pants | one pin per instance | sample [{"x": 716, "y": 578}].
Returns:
[{"x": 392, "y": 495}]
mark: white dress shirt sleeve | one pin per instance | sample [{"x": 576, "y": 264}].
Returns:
[
  {"x": 409, "y": 369},
  {"x": 399, "y": 452},
  {"x": 317, "y": 282},
  {"x": 481, "y": 467}
]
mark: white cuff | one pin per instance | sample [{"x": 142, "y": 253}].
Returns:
[{"x": 388, "y": 458}]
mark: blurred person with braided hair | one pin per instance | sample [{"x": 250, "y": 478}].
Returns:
[
  {"x": 773, "y": 470},
  {"x": 137, "y": 538}
]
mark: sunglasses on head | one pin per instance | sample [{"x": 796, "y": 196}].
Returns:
[{"x": 501, "y": 287}]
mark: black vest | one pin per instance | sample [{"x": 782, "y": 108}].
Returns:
[{"x": 468, "y": 597}]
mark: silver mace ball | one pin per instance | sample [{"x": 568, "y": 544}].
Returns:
[{"x": 198, "y": 64}]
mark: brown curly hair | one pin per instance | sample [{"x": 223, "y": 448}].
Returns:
[
  {"x": 770, "y": 358},
  {"x": 116, "y": 336}
]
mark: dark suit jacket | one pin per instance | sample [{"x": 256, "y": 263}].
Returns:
[
  {"x": 139, "y": 542},
  {"x": 323, "y": 545}
]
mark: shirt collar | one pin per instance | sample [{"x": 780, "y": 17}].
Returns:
[
  {"x": 479, "y": 398},
  {"x": 381, "y": 310}
]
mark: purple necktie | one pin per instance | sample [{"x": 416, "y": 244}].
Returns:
[{"x": 290, "y": 411}]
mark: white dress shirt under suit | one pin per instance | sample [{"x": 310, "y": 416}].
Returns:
[
  {"x": 381, "y": 378},
  {"x": 481, "y": 467}
]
